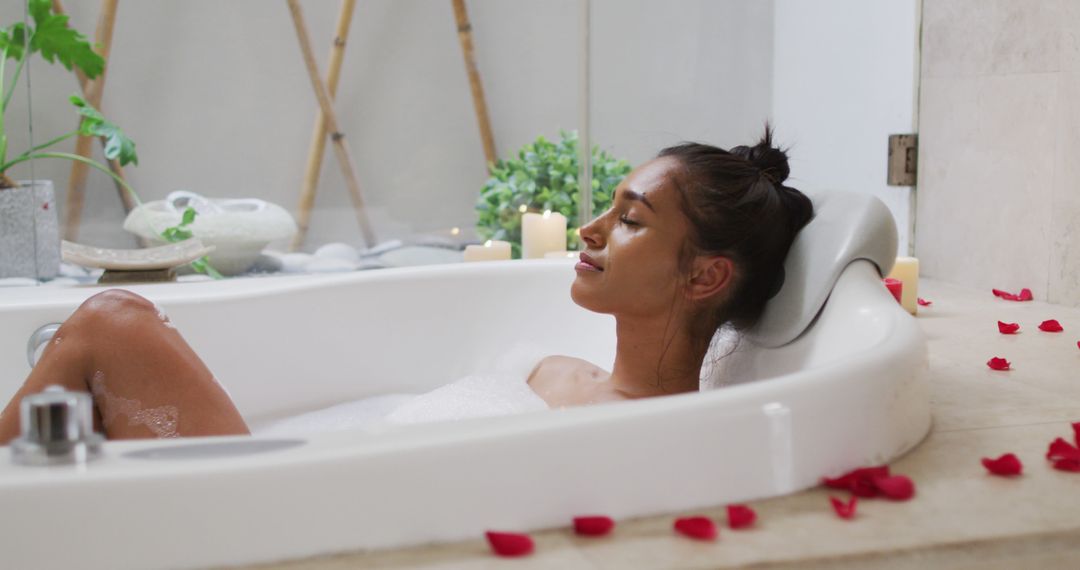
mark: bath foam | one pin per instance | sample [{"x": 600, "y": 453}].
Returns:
[
  {"x": 501, "y": 391},
  {"x": 164, "y": 318},
  {"x": 161, "y": 420}
]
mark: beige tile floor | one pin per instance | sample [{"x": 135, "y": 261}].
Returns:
[{"x": 960, "y": 518}]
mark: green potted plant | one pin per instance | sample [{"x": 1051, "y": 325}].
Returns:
[
  {"x": 543, "y": 176},
  {"x": 29, "y": 234}
]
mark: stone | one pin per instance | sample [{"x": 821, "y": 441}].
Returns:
[
  {"x": 267, "y": 263},
  {"x": 337, "y": 250},
  {"x": 296, "y": 262},
  {"x": 72, "y": 270}
]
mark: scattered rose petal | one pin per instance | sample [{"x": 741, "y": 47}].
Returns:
[
  {"x": 740, "y": 516},
  {"x": 1076, "y": 433},
  {"x": 1078, "y": 344},
  {"x": 1008, "y": 328},
  {"x": 923, "y": 302},
  {"x": 509, "y": 543},
  {"x": 1050, "y": 326},
  {"x": 999, "y": 363},
  {"x": 699, "y": 528},
  {"x": 593, "y": 525},
  {"x": 1072, "y": 465},
  {"x": 844, "y": 510},
  {"x": 859, "y": 481},
  {"x": 1006, "y": 466},
  {"x": 1061, "y": 449},
  {"x": 1025, "y": 295},
  {"x": 896, "y": 287},
  {"x": 896, "y": 487}
]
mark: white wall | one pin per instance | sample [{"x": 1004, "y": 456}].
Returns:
[
  {"x": 216, "y": 96},
  {"x": 844, "y": 73}
]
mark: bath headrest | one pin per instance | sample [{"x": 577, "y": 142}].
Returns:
[{"x": 846, "y": 226}]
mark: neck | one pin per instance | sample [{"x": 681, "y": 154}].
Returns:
[{"x": 655, "y": 357}]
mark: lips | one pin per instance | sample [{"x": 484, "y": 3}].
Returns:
[{"x": 587, "y": 263}]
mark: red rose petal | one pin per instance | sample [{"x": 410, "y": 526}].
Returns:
[
  {"x": 1076, "y": 433},
  {"x": 740, "y": 516},
  {"x": 896, "y": 287},
  {"x": 998, "y": 363},
  {"x": 923, "y": 302},
  {"x": 698, "y": 528},
  {"x": 509, "y": 543},
  {"x": 593, "y": 525},
  {"x": 1050, "y": 326},
  {"x": 1078, "y": 344},
  {"x": 1072, "y": 465},
  {"x": 1008, "y": 328},
  {"x": 1025, "y": 295},
  {"x": 859, "y": 481},
  {"x": 896, "y": 487},
  {"x": 1061, "y": 449},
  {"x": 1006, "y": 466},
  {"x": 844, "y": 510}
]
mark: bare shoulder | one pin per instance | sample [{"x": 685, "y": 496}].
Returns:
[
  {"x": 567, "y": 381},
  {"x": 564, "y": 366}
]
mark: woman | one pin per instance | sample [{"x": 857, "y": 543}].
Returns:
[{"x": 695, "y": 238}]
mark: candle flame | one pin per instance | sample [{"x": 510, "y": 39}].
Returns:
[
  {"x": 487, "y": 243},
  {"x": 455, "y": 231},
  {"x": 547, "y": 213},
  {"x": 523, "y": 208}
]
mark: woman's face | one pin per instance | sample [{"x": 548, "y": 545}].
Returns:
[{"x": 630, "y": 261}]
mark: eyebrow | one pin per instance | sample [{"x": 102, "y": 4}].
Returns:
[{"x": 638, "y": 197}]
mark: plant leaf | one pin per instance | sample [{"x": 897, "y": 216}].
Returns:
[
  {"x": 117, "y": 144},
  {"x": 56, "y": 41},
  {"x": 14, "y": 40}
]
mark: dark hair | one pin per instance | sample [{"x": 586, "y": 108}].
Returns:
[{"x": 739, "y": 207}]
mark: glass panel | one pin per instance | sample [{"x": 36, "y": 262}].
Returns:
[{"x": 219, "y": 102}]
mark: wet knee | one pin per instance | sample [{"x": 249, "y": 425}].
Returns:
[{"x": 114, "y": 306}]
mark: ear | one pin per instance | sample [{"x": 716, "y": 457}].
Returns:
[{"x": 709, "y": 277}]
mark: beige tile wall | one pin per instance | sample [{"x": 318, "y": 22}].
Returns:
[{"x": 999, "y": 157}]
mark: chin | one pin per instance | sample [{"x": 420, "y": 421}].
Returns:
[{"x": 587, "y": 297}]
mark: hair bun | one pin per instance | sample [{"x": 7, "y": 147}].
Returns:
[{"x": 771, "y": 161}]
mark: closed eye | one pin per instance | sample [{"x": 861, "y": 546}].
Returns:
[{"x": 628, "y": 221}]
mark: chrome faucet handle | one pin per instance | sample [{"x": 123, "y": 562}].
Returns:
[
  {"x": 38, "y": 340},
  {"x": 57, "y": 429}
]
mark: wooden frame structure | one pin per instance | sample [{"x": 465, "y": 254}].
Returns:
[{"x": 326, "y": 123}]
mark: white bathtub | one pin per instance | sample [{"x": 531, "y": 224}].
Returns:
[{"x": 849, "y": 392}]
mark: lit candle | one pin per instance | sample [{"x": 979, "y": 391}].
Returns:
[
  {"x": 907, "y": 271},
  {"x": 542, "y": 233},
  {"x": 560, "y": 254},
  {"x": 492, "y": 250}
]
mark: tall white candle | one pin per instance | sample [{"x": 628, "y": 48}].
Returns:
[
  {"x": 492, "y": 250},
  {"x": 907, "y": 270},
  {"x": 542, "y": 233}
]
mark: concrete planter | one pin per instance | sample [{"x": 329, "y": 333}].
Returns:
[{"x": 29, "y": 231}]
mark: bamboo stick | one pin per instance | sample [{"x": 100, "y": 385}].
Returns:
[
  {"x": 317, "y": 147},
  {"x": 337, "y": 137},
  {"x": 93, "y": 91},
  {"x": 479, "y": 103}
]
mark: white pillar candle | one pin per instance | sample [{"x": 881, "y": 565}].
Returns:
[
  {"x": 492, "y": 250},
  {"x": 542, "y": 233},
  {"x": 560, "y": 254},
  {"x": 907, "y": 271}
]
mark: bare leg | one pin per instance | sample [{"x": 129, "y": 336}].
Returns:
[{"x": 146, "y": 381}]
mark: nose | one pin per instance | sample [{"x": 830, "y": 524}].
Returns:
[{"x": 592, "y": 233}]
